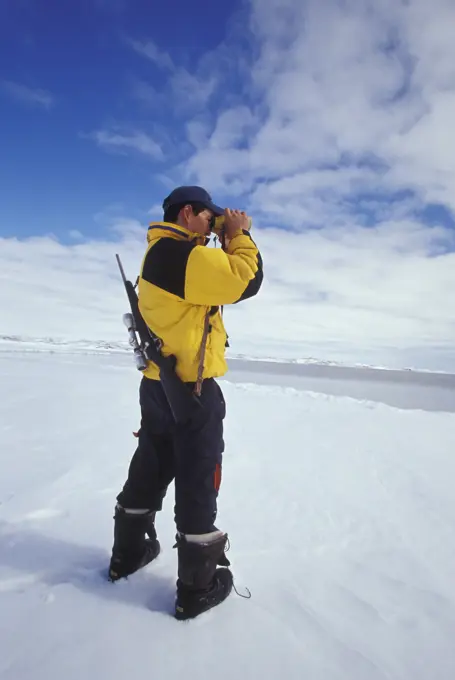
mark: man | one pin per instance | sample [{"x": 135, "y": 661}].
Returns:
[{"x": 181, "y": 287}]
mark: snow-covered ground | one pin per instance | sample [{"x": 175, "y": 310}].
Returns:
[{"x": 340, "y": 508}]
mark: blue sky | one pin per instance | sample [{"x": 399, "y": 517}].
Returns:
[
  {"x": 107, "y": 104},
  {"x": 330, "y": 122},
  {"x": 69, "y": 71}
]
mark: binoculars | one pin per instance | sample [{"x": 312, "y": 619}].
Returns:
[{"x": 217, "y": 224}]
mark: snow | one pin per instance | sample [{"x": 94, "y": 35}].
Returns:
[{"x": 339, "y": 505}]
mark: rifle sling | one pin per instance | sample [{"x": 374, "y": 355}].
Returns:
[{"x": 198, "y": 386}]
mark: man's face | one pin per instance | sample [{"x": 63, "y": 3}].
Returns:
[{"x": 200, "y": 224}]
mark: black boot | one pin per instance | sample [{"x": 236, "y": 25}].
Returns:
[
  {"x": 132, "y": 550},
  {"x": 201, "y": 585}
]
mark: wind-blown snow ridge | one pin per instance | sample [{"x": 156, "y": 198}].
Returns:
[
  {"x": 48, "y": 344},
  {"x": 21, "y": 343}
]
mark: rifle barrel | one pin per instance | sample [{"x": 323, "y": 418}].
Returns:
[{"x": 120, "y": 266}]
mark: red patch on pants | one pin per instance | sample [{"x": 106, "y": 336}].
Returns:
[{"x": 217, "y": 477}]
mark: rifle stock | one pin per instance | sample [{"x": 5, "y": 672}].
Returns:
[{"x": 182, "y": 401}]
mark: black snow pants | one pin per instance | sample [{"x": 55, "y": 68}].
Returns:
[{"x": 191, "y": 455}]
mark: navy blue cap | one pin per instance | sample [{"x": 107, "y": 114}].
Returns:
[{"x": 192, "y": 195}]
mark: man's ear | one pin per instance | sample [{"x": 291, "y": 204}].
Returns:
[{"x": 186, "y": 213}]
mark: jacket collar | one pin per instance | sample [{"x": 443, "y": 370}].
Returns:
[{"x": 163, "y": 228}]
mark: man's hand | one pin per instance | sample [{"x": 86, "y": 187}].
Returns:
[{"x": 234, "y": 220}]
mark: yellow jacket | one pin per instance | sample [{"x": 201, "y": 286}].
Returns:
[{"x": 180, "y": 281}]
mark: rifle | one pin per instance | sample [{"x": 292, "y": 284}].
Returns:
[{"x": 182, "y": 401}]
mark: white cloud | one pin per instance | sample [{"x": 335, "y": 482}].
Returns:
[
  {"x": 191, "y": 89},
  {"x": 365, "y": 89},
  {"x": 30, "y": 96},
  {"x": 147, "y": 94},
  {"x": 184, "y": 90},
  {"x": 198, "y": 131},
  {"x": 156, "y": 211},
  {"x": 137, "y": 141},
  {"x": 127, "y": 228},
  {"x": 150, "y": 50},
  {"x": 231, "y": 128}
]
